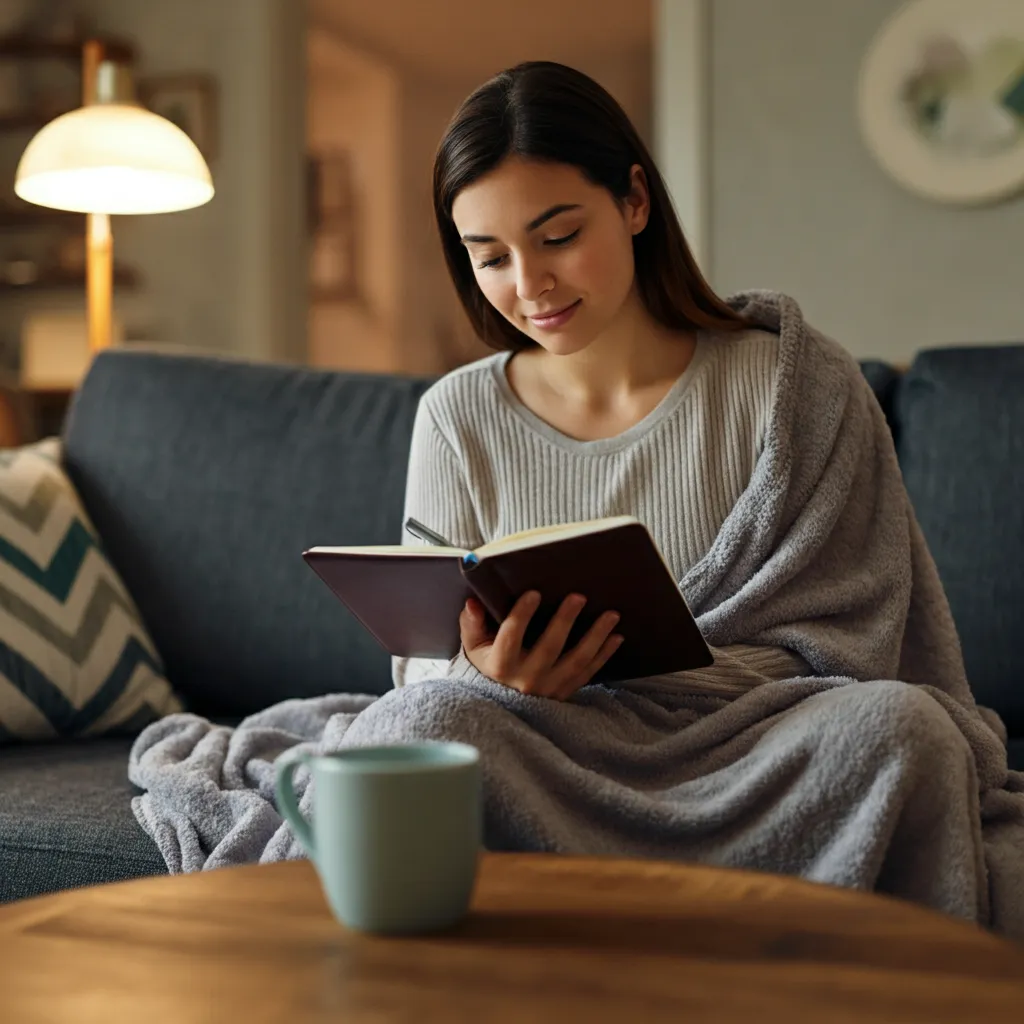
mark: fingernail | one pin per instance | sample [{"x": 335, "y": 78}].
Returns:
[
  {"x": 613, "y": 617},
  {"x": 617, "y": 639},
  {"x": 533, "y": 597},
  {"x": 577, "y": 599}
]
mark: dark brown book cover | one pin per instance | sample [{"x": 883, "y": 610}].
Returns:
[{"x": 410, "y": 601}]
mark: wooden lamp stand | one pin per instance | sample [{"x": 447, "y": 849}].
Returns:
[{"x": 99, "y": 243}]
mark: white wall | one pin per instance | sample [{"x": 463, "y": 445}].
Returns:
[
  {"x": 680, "y": 81},
  {"x": 797, "y": 203},
  {"x": 230, "y": 275}
]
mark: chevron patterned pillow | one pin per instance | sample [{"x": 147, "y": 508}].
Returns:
[{"x": 75, "y": 658}]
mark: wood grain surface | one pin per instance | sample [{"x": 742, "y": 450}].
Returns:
[{"x": 549, "y": 938}]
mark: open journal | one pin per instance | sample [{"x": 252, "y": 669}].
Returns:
[{"x": 409, "y": 597}]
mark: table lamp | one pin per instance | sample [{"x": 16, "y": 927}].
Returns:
[{"x": 110, "y": 156}]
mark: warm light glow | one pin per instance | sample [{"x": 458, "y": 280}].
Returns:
[{"x": 113, "y": 158}]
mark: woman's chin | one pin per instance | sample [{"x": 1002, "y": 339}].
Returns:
[{"x": 561, "y": 343}]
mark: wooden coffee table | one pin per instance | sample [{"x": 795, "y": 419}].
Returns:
[{"x": 549, "y": 939}]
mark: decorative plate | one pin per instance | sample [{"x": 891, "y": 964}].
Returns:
[{"x": 941, "y": 98}]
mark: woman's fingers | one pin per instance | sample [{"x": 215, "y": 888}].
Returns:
[
  {"x": 473, "y": 625},
  {"x": 575, "y": 662},
  {"x": 575, "y": 665},
  {"x": 507, "y": 650},
  {"x": 548, "y": 649},
  {"x": 589, "y": 646},
  {"x": 546, "y": 669},
  {"x": 609, "y": 646}
]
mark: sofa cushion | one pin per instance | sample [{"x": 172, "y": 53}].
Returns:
[
  {"x": 884, "y": 380},
  {"x": 74, "y": 657},
  {"x": 961, "y": 449},
  {"x": 207, "y": 478},
  {"x": 66, "y": 818}
]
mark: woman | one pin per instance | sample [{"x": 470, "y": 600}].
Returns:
[
  {"x": 758, "y": 459},
  {"x": 561, "y": 240}
]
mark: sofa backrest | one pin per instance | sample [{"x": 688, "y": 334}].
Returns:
[
  {"x": 207, "y": 478},
  {"x": 959, "y": 417}
]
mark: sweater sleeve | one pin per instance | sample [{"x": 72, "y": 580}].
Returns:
[{"x": 438, "y": 495}]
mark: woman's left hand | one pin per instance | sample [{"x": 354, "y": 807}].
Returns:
[{"x": 546, "y": 669}]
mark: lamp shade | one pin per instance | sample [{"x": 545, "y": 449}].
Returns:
[{"x": 113, "y": 158}]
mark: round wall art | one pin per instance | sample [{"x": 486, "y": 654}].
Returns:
[{"x": 941, "y": 98}]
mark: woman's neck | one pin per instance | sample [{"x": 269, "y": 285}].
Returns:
[
  {"x": 609, "y": 386},
  {"x": 633, "y": 356}
]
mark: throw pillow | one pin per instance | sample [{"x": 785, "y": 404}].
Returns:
[{"x": 75, "y": 658}]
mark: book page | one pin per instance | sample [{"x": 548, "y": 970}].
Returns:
[
  {"x": 550, "y": 534},
  {"x": 392, "y": 549}
]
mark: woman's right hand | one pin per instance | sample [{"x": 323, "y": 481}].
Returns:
[{"x": 544, "y": 670}]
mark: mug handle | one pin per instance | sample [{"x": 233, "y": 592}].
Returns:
[{"x": 287, "y": 802}]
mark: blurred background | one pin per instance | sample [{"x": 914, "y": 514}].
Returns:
[{"x": 319, "y": 120}]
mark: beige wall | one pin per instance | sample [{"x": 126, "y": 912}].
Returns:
[
  {"x": 353, "y": 105},
  {"x": 435, "y": 334}
]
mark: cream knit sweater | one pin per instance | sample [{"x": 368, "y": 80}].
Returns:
[{"x": 482, "y": 465}]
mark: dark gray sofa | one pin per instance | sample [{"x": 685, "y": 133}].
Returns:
[{"x": 207, "y": 477}]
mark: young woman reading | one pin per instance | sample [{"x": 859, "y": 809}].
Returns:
[{"x": 835, "y": 736}]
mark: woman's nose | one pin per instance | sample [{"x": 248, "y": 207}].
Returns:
[{"x": 533, "y": 279}]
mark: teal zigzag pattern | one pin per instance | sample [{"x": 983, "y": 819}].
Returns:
[
  {"x": 81, "y": 641},
  {"x": 64, "y": 718}
]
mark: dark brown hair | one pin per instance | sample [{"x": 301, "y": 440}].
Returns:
[{"x": 545, "y": 111}]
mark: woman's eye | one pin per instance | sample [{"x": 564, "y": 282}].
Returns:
[
  {"x": 499, "y": 261},
  {"x": 491, "y": 264},
  {"x": 564, "y": 240}
]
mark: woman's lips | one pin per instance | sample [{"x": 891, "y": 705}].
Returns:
[{"x": 552, "y": 321}]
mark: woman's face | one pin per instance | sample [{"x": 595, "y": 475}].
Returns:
[{"x": 552, "y": 252}]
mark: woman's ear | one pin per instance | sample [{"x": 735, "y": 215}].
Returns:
[{"x": 637, "y": 204}]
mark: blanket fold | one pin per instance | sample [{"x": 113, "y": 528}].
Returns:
[{"x": 873, "y": 768}]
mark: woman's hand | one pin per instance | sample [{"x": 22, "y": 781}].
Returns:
[{"x": 543, "y": 670}]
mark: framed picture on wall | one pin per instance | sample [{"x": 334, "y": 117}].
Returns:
[
  {"x": 187, "y": 100},
  {"x": 331, "y": 221},
  {"x": 941, "y": 99}
]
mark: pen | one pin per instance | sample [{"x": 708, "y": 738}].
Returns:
[{"x": 417, "y": 529}]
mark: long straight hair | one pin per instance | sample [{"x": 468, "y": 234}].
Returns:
[{"x": 544, "y": 111}]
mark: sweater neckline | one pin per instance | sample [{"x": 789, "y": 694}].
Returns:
[{"x": 601, "y": 446}]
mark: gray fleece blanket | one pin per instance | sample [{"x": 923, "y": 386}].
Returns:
[{"x": 873, "y": 768}]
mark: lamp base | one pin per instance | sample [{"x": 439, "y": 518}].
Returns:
[{"x": 99, "y": 270}]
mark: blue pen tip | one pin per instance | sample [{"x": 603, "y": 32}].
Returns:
[{"x": 470, "y": 559}]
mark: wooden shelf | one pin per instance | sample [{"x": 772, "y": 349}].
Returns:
[
  {"x": 36, "y": 216},
  {"x": 28, "y": 120},
  {"x": 31, "y": 48},
  {"x": 47, "y": 391},
  {"x": 50, "y": 280},
  {"x": 20, "y": 48}
]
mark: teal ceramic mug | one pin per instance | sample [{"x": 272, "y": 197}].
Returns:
[{"x": 396, "y": 832}]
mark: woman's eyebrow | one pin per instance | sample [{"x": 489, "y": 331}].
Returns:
[{"x": 553, "y": 211}]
